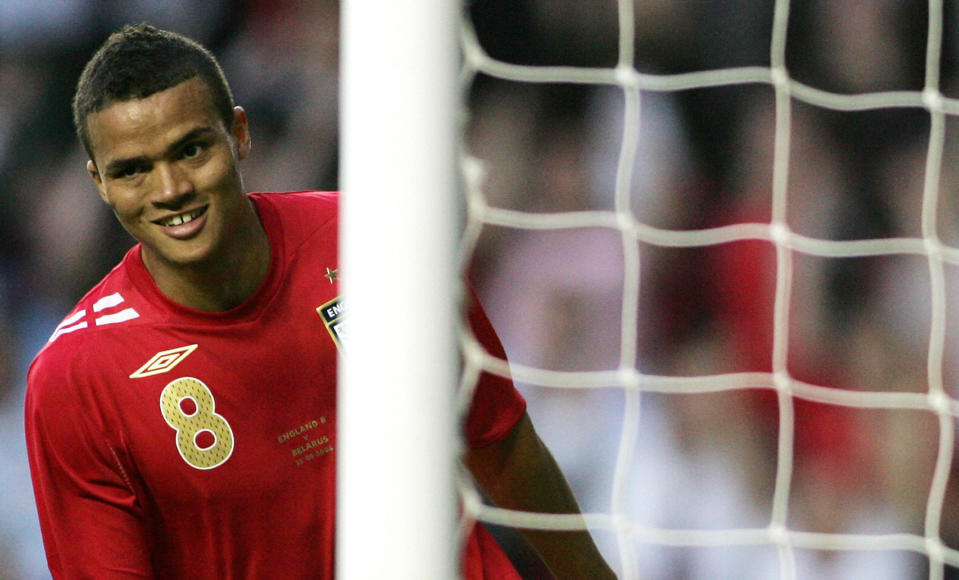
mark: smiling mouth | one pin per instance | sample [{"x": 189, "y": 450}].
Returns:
[{"x": 180, "y": 219}]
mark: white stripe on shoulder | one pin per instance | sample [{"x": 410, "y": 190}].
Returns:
[
  {"x": 79, "y": 320},
  {"x": 63, "y": 329},
  {"x": 72, "y": 318},
  {"x": 107, "y": 302},
  {"x": 122, "y": 316}
]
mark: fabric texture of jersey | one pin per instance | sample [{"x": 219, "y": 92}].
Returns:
[{"x": 167, "y": 442}]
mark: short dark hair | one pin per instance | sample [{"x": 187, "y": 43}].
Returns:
[{"x": 138, "y": 61}]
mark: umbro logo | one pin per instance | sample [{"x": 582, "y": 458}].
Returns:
[{"x": 163, "y": 361}]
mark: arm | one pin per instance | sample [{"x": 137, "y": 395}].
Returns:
[
  {"x": 90, "y": 519},
  {"x": 519, "y": 472}
]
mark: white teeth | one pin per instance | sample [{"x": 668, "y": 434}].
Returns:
[{"x": 179, "y": 220}]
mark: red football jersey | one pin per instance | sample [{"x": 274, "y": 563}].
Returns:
[{"x": 172, "y": 443}]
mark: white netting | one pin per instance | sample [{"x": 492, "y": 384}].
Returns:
[{"x": 876, "y": 443}]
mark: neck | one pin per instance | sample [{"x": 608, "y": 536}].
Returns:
[{"x": 223, "y": 282}]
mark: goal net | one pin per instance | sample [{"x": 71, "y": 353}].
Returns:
[{"x": 719, "y": 241}]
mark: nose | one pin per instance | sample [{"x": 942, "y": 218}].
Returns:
[{"x": 173, "y": 184}]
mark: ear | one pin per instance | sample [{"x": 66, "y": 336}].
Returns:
[
  {"x": 241, "y": 132},
  {"x": 97, "y": 178}
]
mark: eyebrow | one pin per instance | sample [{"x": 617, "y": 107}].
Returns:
[{"x": 121, "y": 164}]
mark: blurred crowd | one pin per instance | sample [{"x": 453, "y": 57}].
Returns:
[{"x": 704, "y": 159}]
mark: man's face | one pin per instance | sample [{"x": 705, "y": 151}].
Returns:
[{"x": 168, "y": 166}]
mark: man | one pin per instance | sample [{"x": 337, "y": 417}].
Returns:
[{"x": 181, "y": 419}]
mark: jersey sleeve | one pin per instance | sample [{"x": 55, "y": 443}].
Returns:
[
  {"x": 90, "y": 519},
  {"x": 497, "y": 406}
]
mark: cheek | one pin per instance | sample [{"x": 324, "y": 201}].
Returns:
[
  {"x": 222, "y": 181},
  {"x": 218, "y": 174},
  {"x": 125, "y": 205}
]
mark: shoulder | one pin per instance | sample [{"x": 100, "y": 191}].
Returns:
[
  {"x": 292, "y": 204},
  {"x": 114, "y": 300},
  {"x": 300, "y": 217},
  {"x": 97, "y": 324},
  {"x": 56, "y": 376}
]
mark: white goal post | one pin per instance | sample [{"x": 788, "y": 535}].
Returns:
[{"x": 396, "y": 434}]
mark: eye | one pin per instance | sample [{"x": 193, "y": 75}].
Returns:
[
  {"x": 191, "y": 150},
  {"x": 127, "y": 171}
]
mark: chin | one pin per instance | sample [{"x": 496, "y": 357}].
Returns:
[{"x": 181, "y": 257}]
